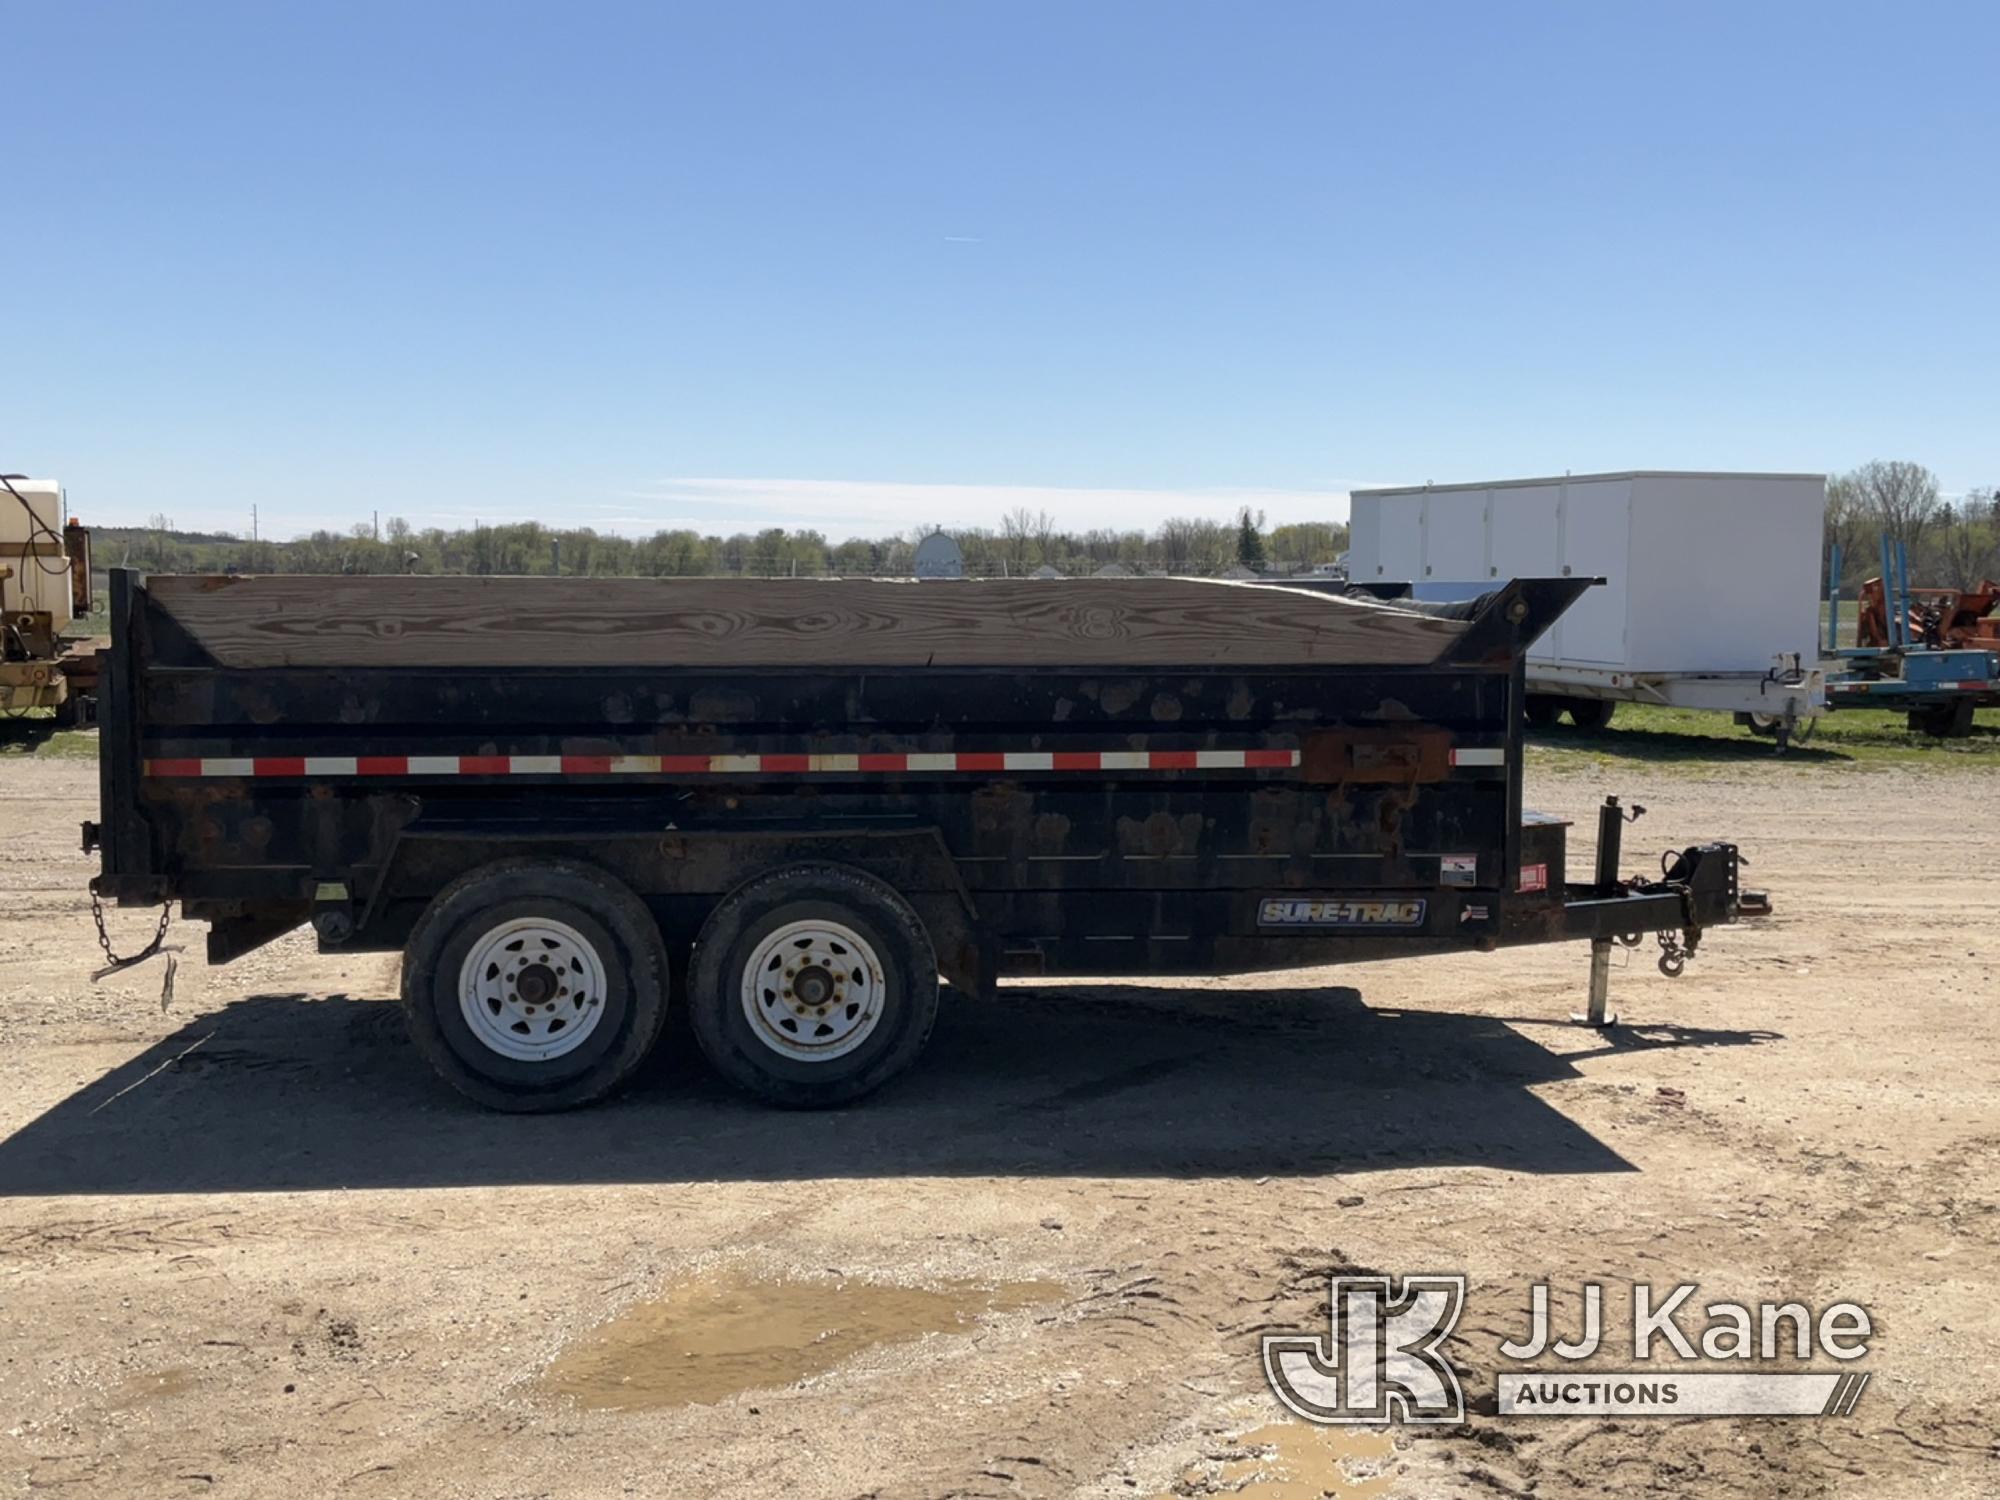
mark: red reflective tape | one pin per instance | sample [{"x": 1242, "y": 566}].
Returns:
[
  {"x": 1077, "y": 760},
  {"x": 483, "y": 765},
  {"x": 785, "y": 763},
  {"x": 1171, "y": 760},
  {"x": 684, "y": 764},
  {"x": 173, "y": 768},
  {"x": 586, "y": 765},
  {"x": 381, "y": 765},
  {"x": 278, "y": 765},
  {"x": 882, "y": 762},
  {"x": 981, "y": 760},
  {"x": 1263, "y": 759}
]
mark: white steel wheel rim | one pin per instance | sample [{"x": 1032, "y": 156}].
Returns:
[
  {"x": 532, "y": 989},
  {"x": 813, "y": 991}
]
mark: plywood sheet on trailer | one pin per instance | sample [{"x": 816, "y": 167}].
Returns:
[{"x": 314, "y": 621}]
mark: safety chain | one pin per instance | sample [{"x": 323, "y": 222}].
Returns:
[
  {"x": 1674, "y": 955},
  {"x": 104, "y": 938}
]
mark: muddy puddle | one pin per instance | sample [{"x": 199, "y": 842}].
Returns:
[
  {"x": 1292, "y": 1461},
  {"x": 708, "y": 1338},
  {"x": 158, "y": 1385}
]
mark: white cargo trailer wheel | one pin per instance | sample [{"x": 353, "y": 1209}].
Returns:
[
  {"x": 812, "y": 985},
  {"x": 535, "y": 984}
]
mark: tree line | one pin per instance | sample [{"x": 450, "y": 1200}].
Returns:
[
  {"x": 1024, "y": 542},
  {"x": 1953, "y": 543}
]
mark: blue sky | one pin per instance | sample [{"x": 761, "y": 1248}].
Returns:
[{"x": 864, "y": 266}]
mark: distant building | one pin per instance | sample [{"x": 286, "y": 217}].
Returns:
[{"x": 938, "y": 556}]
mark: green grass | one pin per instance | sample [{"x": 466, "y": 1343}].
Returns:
[
  {"x": 1690, "y": 740},
  {"x": 33, "y": 732}
]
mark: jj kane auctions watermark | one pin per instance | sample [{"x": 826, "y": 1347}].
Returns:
[{"x": 1382, "y": 1357}]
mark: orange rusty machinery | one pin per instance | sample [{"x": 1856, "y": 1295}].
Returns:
[{"x": 1960, "y": 619}]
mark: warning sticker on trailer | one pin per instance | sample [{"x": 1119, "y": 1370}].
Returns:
[
  {"x": 1458, "y": 869},
  {"x": 1293, "y": 911},
  {"x": 1534, "y": 878}
]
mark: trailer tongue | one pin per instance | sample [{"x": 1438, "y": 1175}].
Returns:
[{"x": 791, "y": 806}]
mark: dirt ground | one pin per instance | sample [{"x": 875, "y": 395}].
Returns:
[{"x": 249, "y": 1246}]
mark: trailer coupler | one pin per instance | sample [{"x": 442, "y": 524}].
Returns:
[{"x": 1697, "y": 888}]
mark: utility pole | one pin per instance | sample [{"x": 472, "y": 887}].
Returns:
[
  {"x": 378, "y": 525},
  {"x": 253, "y": 523}
]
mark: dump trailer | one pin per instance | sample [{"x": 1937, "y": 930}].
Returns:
[{"x": 790, "y": 806}]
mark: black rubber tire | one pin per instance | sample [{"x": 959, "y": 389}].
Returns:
[
  {"x": 1767, "y": 725},
  {"x": 1590, "y": 713},
  {"x": 797, "y": 893},
  {"x": 1944, "y": 721},
  {"x": 605, "y": 912},
  {"x": 1544, "y": 709}
]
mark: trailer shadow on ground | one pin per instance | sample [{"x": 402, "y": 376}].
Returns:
[{"x": 282, "y": 1092}]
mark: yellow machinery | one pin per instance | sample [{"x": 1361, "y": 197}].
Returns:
[{"x": 44, "y": 590}]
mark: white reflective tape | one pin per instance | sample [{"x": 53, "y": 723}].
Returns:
[
  {"x": 535, "y": 765},
  {"x": 929, "y": 762},
  {"x": 433, "y": 765},
  {"x": 736, "y": 762},
  {"x": 1125, "y": 760},
  {"x": 834, "y": 762},
  {"x": 1028, "y": 760},
  {"x": 1218, "y": 760},
  {"x": 228, "y": 767},
  {"x": 642, "y": 764},
  {"x": 1479, "y": 757},
  {"x": 330, "y": 765}
]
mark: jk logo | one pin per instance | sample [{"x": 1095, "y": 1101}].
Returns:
[{"x": 1381, "y": 1361}]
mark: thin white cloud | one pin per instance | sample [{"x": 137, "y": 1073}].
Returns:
[{"x": 851, "y": 507}]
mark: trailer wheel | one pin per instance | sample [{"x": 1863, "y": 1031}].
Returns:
[
  {"x": 535, "y": 984},
  {"x": 1544, "y": 709},
  {"x": 812, "y": 986},
  {"x": 1767, "y": 725},
  {"x": 1590, "y": 713},
  {"x": 1944, "y": 721}
]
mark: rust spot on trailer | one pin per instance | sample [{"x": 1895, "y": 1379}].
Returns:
[
  {"x": 1166, "y": 708},
  {"x": 1051, "y": 833},
  {"x": 1117, "y": 697},
  {"x": 1242, "y": 702},
  {"x": 722, "y": 708},
  {"x": 1160, "y": 835},
  {"x": 1376, "y": 756}
]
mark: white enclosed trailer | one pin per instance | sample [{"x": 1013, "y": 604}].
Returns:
[{"x": 1711, "y": 581}]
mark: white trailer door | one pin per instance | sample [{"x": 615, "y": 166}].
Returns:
[
  {"x": 1596, "y": 537},
  {"x": 1399, "y": 532},
  {"x": 1454, "y": 545},
  {"x": 1526, "y": 543}
]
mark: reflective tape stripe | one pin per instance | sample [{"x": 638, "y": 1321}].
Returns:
[
  {"x": 1479, "y": 757},
  {"x": 790, "y": 764}
]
